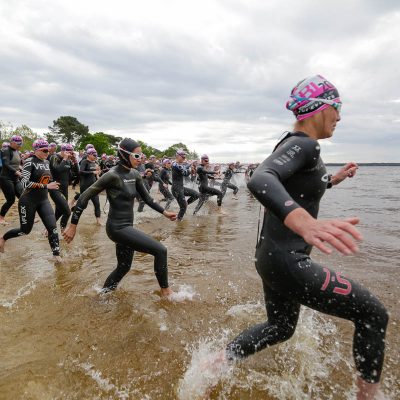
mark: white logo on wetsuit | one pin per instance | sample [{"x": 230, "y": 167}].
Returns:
[
  {"x": 129, "y": 180},
  {"x": 325, "y": 178}
]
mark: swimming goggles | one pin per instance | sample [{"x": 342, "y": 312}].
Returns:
[
  {"x": 335, "y": 104},
  {"x": 136, "y": 156}
]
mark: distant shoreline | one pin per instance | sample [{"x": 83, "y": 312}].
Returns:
[{"x": 367, "y": 164}]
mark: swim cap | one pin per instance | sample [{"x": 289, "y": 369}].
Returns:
[
  {"x": 166, "y": 161},
  {"x": 204, "y": 157},
  {"x": 125, "y": 147},
  {"x": 39, "y": 144},
  {"x": 314, "y": 87},
  {"x": 16, "y": 139},
  {"x": 181, "y": 153},
  {"x": 52, "y": 144},
  {"x": 5, "y": 145},
  {"x": 91, "y": 151},
  {"x": 67, "y": 147}
]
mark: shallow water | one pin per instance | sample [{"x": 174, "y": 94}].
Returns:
[{"x": 62, "y": 339}]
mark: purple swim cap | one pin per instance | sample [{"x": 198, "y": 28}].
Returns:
[
  {"x": 52, "y": 144},
  {"x": 16, "y": 139},
  {"x": 89, "y": 146},
  {"x": 67, "y": 147},
  {"x": 204, "y": 157},
  {"x": 5, "y": 145},
  {"x": 91, "y": 151},
  {"x": 313, "y": 88},
  {"x": 40, "y": 144}
]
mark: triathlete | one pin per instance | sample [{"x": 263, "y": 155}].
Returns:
[
  {"x": 3, "y": 147},
  {"x": 89, "y": 171},
  {"x": 122, "y": 183},
  {"x": 165, "y": 180},
  {"x": 35, "y": 180},
  {"x": 179, "y": 170},
  {"x": 290, "y": 184},
  {"x": 61, "y": 166},
  {"x": 226, "y": 183},
  {"x": 206, "y": 191},
  {"x": 10, "y": 175}
]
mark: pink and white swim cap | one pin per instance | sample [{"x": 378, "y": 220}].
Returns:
[
  {"x": 40, "y": 144},
  {"x": 304, "y": 97}
]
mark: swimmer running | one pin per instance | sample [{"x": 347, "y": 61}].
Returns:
[
  {"x": 122, "y": 184},
  {"x": 290, "y": 184}
]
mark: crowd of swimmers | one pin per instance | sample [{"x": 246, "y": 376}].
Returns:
[{"x": 289, "y": 184}]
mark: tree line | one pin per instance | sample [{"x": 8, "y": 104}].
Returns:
[{"x": 67, "y": 129}]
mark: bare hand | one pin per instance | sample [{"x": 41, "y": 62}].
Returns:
[
  {"x": 170, "y": 215},
  {"x": 18, "y": 173},
  {"x": 340, "y": 234},
  {"x": 69, "y": 233},
  {"x": 53, "y": 185},
  {"x": 347, "y": 171}
]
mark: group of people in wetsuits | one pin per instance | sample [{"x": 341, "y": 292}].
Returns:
[{"x": 289, "y": 184}]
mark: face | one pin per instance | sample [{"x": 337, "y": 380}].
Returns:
[
  {"x": 15, "y": 146},
  {"x": 180, "y": 158},
  {"x": 168, "y": 165},
  {"x": 133, "y": 160},
  {"x": 42, "y": 153},
  {"x": 330, "y": 117},
  {"x": 205, "y": 161}
]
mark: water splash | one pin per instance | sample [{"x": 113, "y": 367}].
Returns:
[
  {"x": 185, "y": 292},
  {"x": 103, "y": 383},
  {"x": 205, "y": 370},
  {"x": 24, "y": 291}
]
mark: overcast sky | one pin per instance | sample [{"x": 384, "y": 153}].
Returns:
[{"x": 214, "y": 75}]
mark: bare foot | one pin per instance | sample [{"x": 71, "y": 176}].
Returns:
[
  {"x": 3, "y": 221},
  {"x": 366, "y": 390},
  {"x": 221, "y": 211},
  {"x": 98, "y": 222},
  {"x": 45, "y": 233},
  {"x": 166, "y": 292},
  {"x": 57, "y": 259},
  {"x": 2, "y": 243}
]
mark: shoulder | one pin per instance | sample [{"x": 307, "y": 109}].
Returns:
[{"x": 300, "y": 145}]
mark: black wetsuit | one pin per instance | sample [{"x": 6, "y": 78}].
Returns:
[
  {"x": 205, "y": 190},
  {"x": 122, "y": 186},
  {"x": 165, "y": 179},
  {"x": 295, "y": 176},
  {"x": 35, "y": 177},
  {"x": 87, "y": 178},
  {"x": 226, "y": 183},
  {"x": 147, "y": 182},
  {"x": 179, "y": 171},
  {"x": 9, "y": 182},
  {"x": 61, "y": 173}
]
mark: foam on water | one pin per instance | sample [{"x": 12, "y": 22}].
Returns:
[
  {"x": 243, "y": 309},
  {"x": 103, "y": 383},
  {"x": 23, "y": 291},
  {"x": 184, "y": 292},
  {"x": 204, "y": 371}
]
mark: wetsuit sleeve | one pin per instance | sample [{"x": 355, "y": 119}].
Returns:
[
  {"x": 144, "y": 194},
  {"x": 266, "y": 183},
  {"x": 106, "y": 181},
  {"x": 82, "y": 168},
  {"x": 58, "y": 164},
  {"x": 6, "y": 161},
  {"x": 26, "y": 177}
]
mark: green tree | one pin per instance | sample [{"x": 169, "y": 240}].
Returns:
[
  {"x": 67, "y": 129},
  {"x": 25, "y": 132},
  {"x": 6, "y": 130},
  {"x": 170, "y": 152},
  {"x": 149, "y": 150},
  {"x": 102, "y": 142}
]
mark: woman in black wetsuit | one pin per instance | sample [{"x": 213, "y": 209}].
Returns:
[
  {"x": 35, "y": 180},
  {"x": 10, "y": 175},
  {"x": 122, "y": 184},
  {"x": 290, "y": 184}
]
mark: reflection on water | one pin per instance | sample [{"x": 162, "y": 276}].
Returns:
[{"x": 63, "y": 339}]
